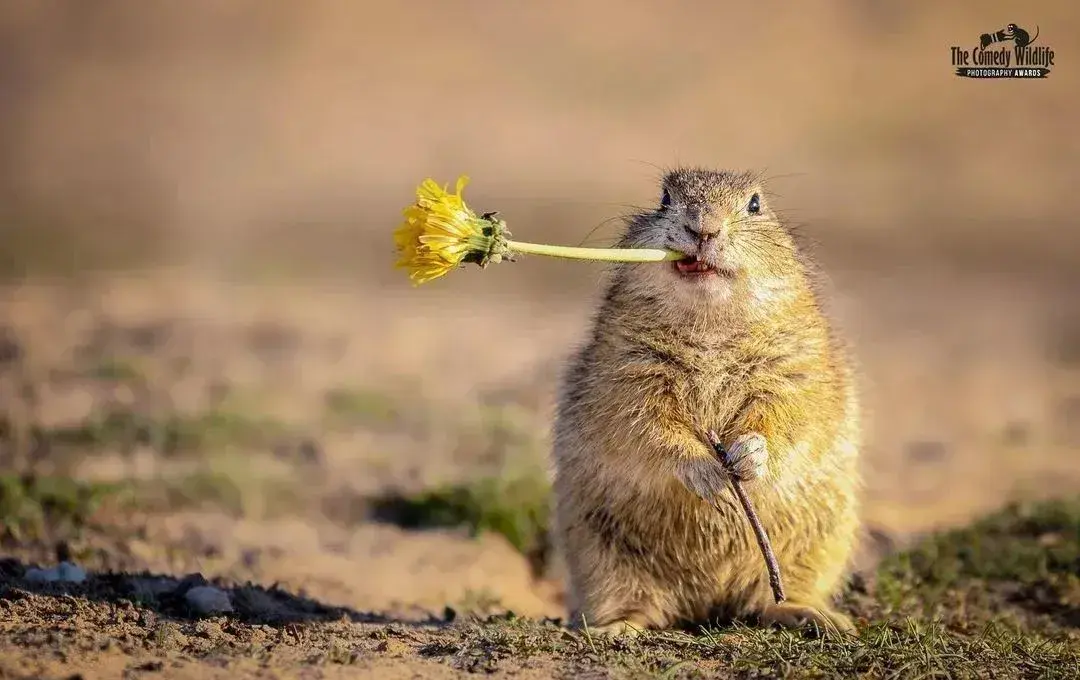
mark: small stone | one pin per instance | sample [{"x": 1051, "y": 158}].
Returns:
[
  {"x": 65, "y": 572},
  {"x": 36, "y": 575},
  {"x": 70, "y": 573},
  {"x": 208, "y": 600}
]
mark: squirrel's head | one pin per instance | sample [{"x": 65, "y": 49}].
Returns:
[{"x": 723, "y": 223}]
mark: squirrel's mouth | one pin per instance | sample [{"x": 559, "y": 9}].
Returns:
[{"x": 692, "y": 266}]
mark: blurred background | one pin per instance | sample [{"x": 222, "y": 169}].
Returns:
[{"x": 198, "y": 303}]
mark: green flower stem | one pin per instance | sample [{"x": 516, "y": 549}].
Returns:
[{"x": 597, "y": 254}]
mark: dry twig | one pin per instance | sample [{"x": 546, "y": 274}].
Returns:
[{"x": 751, "y": 515}]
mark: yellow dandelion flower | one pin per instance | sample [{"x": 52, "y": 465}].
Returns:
[{"x": 441, "y": 232}]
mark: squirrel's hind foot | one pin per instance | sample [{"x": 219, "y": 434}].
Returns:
[{"x": 793, "y": 615}]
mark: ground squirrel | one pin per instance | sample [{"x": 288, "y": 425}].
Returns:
[{"x": 732, "y": 338}]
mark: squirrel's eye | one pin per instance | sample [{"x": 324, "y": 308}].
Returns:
[
  {"x": 755, "y": 205},
  {"x": 665, "y": 199}
]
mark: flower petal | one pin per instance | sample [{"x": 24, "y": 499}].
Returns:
[{"x": 439, "y": 232}]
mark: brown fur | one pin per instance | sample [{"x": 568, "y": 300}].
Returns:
[{"x": 667, "y": 360}]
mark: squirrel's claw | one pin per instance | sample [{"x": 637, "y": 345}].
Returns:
[{"x": 747, "y": 456}]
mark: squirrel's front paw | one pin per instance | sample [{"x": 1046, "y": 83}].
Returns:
[
  {"x": 747, "y": 456},
  {"x": 704, "y": 476}
]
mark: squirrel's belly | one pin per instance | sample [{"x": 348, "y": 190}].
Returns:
[
  {"x": 704, "y": 558},
  {"x": 675, "y": 530}
]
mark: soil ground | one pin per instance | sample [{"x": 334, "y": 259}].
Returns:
[{"x": 172, "y": 431}]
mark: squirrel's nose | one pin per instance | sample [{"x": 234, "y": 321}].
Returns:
[
  {"x": 695, "y": 223},
  {"x": 701, "y": 226}
]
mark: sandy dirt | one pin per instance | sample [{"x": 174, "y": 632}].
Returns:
[{"x": 958, "y": 429}]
